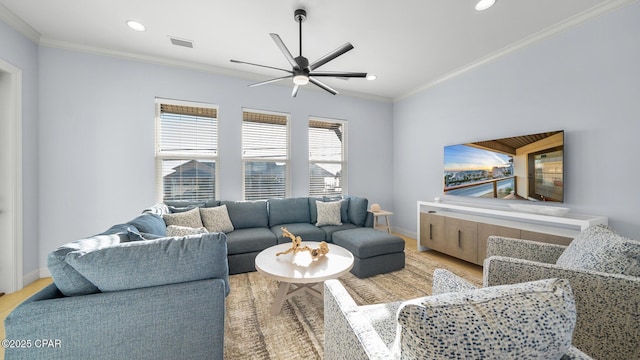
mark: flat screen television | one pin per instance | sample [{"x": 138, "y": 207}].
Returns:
[{"x": 526, "y": 167}]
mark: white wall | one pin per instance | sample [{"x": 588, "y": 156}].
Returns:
[
  {"x": 585, "y": 80},
  {"x": 23, "y": 54},
  {"x": 97, "y": 138}
]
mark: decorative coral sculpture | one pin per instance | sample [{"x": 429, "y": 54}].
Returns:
[{"x": 296, "y": 246}]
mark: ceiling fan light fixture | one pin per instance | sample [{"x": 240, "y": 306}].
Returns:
[
  {"x": 371, "y": 77},
  {"x": 301, "y": 80},
  {"x": 484, "y": 4}
]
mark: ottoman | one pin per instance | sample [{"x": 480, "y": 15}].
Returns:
[{"x": 375, "y": 252}]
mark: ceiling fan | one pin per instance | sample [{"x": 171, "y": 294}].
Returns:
[{"x": 301, "y": 71}]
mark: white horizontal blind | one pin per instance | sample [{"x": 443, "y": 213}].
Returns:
[
  {"x": 265, "y": 154},
  {"x": 326, "y": 157},
  {"x": 186, "y": 151}
]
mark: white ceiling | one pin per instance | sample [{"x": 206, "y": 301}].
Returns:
[{"x": 408, "y": 44}]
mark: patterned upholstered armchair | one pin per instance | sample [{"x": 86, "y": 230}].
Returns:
[
  {"x": 488, "y": 323},
  {"x": 602, "y": 268}
]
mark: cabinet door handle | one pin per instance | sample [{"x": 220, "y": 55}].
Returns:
[
  {"x": 430, "y": 231},
  {"x": 459, "y": 238}
]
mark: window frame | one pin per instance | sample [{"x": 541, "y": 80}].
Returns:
[
  {"x": 286, "y": 161},
  {"x": 343, "y": 162},
  {"x": 161, "y": 156}
]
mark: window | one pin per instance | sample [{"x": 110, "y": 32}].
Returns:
[
  {"x": 265, "y": 154},
  {"x": 186, "y": 150},
  {"x": 327, "y": 166}
]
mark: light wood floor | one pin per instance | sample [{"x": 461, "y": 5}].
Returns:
[{"x": 8, "y": 302}]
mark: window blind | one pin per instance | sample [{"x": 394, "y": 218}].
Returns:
[
  {"x": 186, "y": 152},
  {"x": 265, "y": 154},
  {"x": 326, "y": 157}
]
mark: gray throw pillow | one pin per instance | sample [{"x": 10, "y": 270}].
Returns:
[
  {"x": 216, "y": 219},
  {"x": 598, "y": 248},
  {"x": 328, "y": 213},
  {"x": 175, "y": 230},
  {"x": 190, "y": 218}
]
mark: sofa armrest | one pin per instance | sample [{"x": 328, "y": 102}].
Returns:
[
  {"x": 444, "y": 281},
  {"x": 606, "y": 304},
  {"x": 524, "y": 249},
  {"x": 348, "y": 334},
  {"x": 178, "y": 321}
]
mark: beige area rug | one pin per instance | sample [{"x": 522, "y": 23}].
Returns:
[{"x": 251, "y": 332}]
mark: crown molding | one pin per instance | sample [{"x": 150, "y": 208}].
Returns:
[
  {"x": 547, "y": 32},
  {"x": 183, "y": 64},
  {"x": 18, "y": 24}
]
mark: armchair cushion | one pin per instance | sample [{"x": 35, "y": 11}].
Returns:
[
  {"x": 525, "y": 321},
  {"x": 599, "y": 248}
]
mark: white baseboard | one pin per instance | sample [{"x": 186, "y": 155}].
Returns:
[
  {"x": 31, "y": 277},
  {"x": 404, "y": 232},
  {"x": 44, "y": 273}
]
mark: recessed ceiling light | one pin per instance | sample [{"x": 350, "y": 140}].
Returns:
[
  {"x": 135, "y": 25},
  {"x": 371, "y": 77},
  {"x": 484, "y": 4}
]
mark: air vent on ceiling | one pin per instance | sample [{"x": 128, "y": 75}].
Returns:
[{"x": 181, "y": 42}]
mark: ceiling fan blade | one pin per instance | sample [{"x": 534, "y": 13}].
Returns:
[
  {"x": 339, "y": 74},
  {"x": 330, "y": 56},
  {"x": 264, "y": 66},
  {"x": 271, "y": 81},
  {"x": 295, "y": 90},
  {"x": 322, "y": 86},
  {"x": 285, "y": 51}
]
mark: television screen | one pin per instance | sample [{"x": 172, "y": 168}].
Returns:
[{"x": 527, "y": 167}]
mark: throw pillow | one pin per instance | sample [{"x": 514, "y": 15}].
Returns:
[
  {"x": 533, "y": 320},
  {"x": 190, "y": 218},
  {"x": 598, "y": 248},
  {"x": 216, "y": 219},
  {"x": 150, "y": 223},
  {"x": 163, "y": 261},
  {"x": 174, "y": 230},
  {"x": 328, "y": 213}
]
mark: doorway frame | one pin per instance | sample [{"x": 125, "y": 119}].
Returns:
[{"x": 11, "y": 238}]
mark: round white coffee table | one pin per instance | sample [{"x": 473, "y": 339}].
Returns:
[{"x": 300, "y": 270}]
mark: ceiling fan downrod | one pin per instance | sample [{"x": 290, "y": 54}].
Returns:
[{"x": 300, "y": 16}]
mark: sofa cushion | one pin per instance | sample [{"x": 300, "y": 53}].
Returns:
[
  {"x": 287, "y": 211},
  {"x": 118, "y": 228},
  {"x": 242, "y": 241},
  {"x": 306, "y": 231},
  {"x": 247, "y": 214},
  {"x": 598, "y": 248},
  {"x": 358, "y": 210},
  {"x": 216, "y": 219},
  {"x": 532, "y": 320},
  {"x": 329, "y": 230},
  {"x": 344, "y": 207},
  {"x": 328, "y": 213},
  {"x": 175, "y": 230},
  {"x": 135, "y": 235},
  {"x": 190, "y": 218},
  {"x": 150, "y": 223},
  {"x": 163, "y": 261},
  {"x": 69, "y": 281},
  {"x": 368, "y": 242}
]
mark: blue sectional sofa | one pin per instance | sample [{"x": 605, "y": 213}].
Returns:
[
  {"x": 134, "y": 292},
  {"x": 113, "y": 298},
  {"x": 257, "y": 226}
]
